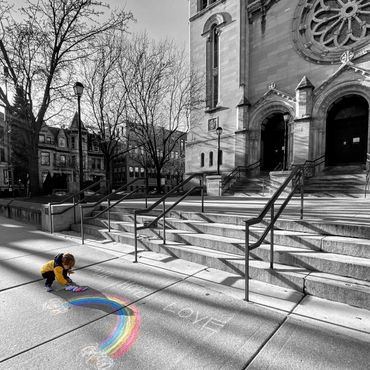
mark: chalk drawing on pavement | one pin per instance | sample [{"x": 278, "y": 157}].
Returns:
[
  {"x": 204, "y": 322},
  {"x": 121, "y": 337},
  {"x": 96, "y": 358},
  {"x": 56, "y": 306}
]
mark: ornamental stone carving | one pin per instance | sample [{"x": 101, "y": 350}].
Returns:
[{"x": 325, "y": 29}]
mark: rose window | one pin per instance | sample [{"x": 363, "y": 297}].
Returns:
[{"x": 325, "y": 29}]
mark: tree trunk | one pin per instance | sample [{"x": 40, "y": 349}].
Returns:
[
  {"x": 33, "y": 167},
  {"x": 108, "y": 174}
]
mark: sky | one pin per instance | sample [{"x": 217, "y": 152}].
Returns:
[{"x": 161, "y": 18}]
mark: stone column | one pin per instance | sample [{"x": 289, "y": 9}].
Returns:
[
  {"x": 302, "y": 122},
  {"x": 214, "y": 185}
]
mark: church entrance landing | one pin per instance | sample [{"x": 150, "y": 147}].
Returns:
[{"x": 347, "y": 131}]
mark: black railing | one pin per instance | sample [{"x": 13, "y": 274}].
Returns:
[
  {"x": 109, "y": 205},
  {"x": 296, "y": 181},
  {"x": 165, "y": 211},
  {"x": 367, "y": 173},
  {"x": 73, "y": 198},
  {"x": 236, "y": 174}
]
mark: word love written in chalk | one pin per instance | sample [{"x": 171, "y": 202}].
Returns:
[{"x": 204, "y": 322}]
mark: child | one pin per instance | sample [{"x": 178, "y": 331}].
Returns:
[{"x": 58, "y": 268}]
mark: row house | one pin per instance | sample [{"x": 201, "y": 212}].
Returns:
[
  {"x": 59, "y": 156},
  {"x": 128, "y": 166}
]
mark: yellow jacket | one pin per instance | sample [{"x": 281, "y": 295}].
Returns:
[{"x": 56, "y": 266}]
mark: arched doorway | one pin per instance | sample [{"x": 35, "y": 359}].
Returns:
[
  {"x": 347, "y": 131},
  {"x": 272, "y": 142}
]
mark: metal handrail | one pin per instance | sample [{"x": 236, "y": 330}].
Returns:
[
  {"x": 235, "y": 173},
  {"x": 296, "y": 176},
  {"x": 109, "y": 207},
  {"x": 74, "y": 205},
  {"x": 367, "y": 173},
  {"x": 165, "y": 211},
  {"x": 107, "y": 197}
]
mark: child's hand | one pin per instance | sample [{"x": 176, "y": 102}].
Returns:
[{"x": 69, "y": 272}]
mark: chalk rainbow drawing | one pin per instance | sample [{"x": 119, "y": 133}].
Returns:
[{"x": 126, "y": 328}]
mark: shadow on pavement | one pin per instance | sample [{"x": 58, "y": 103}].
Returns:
[{"x": 94, "y": 299}]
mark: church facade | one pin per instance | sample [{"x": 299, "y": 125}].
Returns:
[{"x": 286, "y": 80}]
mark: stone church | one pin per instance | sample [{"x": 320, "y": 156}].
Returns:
[{"x": 286, "y": 80}]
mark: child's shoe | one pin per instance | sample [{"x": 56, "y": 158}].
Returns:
[{"x": 48, "y": 288}]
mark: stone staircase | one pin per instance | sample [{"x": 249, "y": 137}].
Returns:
[
  {"x": 348, "y": 181},
  {"x": 328, "y": 259},
  {"x": 338, "y": 181},
  {"x": 257, "y": 186}
]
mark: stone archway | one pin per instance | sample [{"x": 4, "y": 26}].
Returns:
[
  {"x": 266, "y": 127},
  {"x": 323, "y": 103},
  {"x": 347, "y": 131}
]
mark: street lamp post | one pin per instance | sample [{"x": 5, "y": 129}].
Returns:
[
  {"x": 78, "y": 89},
  {"x": 286, "y": 117},
  {"x": 219, "y": 132}
]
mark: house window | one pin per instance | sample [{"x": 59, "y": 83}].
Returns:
[
  {"x": 48, "y": 140},
  {"x": 2, "y": 155},
  {"x": 43, "y": 176},
  {"x": 221, "y": 155},
  {"x": 45, "y": 158},
  {"x": 142, "y": 172},
  {"x": 131, "y": 171},
  {"x": 62, "y": 159},
  {"x": 41, "y": 138},
  {"x": 73, "y": 142},
  {"x": 202, "y": 160},
  {"x": 212, "y": 84},
  {"x": 202, "y": 4},
  {"x": 136, "y": 171},
  {"x": 2, "y": 135},
  {"x": 210, "y": 159},
  {"x": 62, "y": 142}
]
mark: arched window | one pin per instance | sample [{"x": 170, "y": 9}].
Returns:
[
  {"x": 210, "y": 159},
  {"x": 213, "y": 72},
  {"x": 202, "y": 160},
  {"x": 202, "y": 4}
]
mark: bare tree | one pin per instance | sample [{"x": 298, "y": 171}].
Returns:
[
  {"x": 161, "y": 90},
  {"x": 106, "y": 100},
  {"x": 39, "y": 50}
]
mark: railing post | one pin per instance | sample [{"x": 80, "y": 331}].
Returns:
[
  {"x": 82, "y": 224},
  {"x": 246, "y": 262},
  {"x": 272, "y": 236},
  {"x": 202, "y": 191},
  {"x": 302, "y": 193},
  {"x": 146, "y": 191},
  {"x": 108, "y": 215},
  {"x": 164, "y": 221},
  {"x": 74, "y": 209},
  {"x": 135, "y": 234},
  {"x": 50, "y": 219}
]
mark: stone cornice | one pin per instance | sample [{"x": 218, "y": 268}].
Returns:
[
  {"x": 259, "y": 6},
  {"x": 344, "y": 67}
]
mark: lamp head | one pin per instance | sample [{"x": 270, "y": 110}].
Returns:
[
  {"x": 78, "y": 89},
  {"x": 219, "y": 130},
  {"x": 286, "y": 117}
]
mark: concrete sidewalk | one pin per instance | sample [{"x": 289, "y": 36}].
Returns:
[{"x": 160, "y": 313}]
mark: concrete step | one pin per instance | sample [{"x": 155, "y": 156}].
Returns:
[
  {"x": 343, "y": 226},
  {"x": 324, "y": 285},
  {"x": 337, "y": 264}
]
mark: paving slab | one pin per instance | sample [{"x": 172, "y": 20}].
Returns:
[
  {"x": 318, "y": 336},
  {"x": 152, "y": 319},
  {"x": 161, "y": 313}
]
